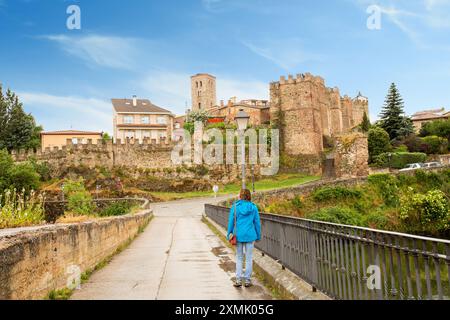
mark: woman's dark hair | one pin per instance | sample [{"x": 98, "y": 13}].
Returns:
[{"x": 245, "y": 195}]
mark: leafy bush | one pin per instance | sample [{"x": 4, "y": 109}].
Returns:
[
  {"x": 42, "y": 169},
  {"x": 379, "y": 143},
  {"x": 335, "y": 193},
  {"x": 116, "y": 209},
  {"x": 6, "y": 163},
  {"x": 376, "y": 220},
  {"x": 429, "y": 180},
  {"x": 79, "y": 200},
  {"x": 24, "y": 177},
  {"x": 338, "y": 215},
  {"x": 297, "y": 202},
  {"x": 440, "y": 128},
  {"x": 434, "y": 145},
  {"x": 386, "y": 185},
  {"x": 20, "y": 210},
  {"x": 401, "y": 148},
  {"x": 425, "y": 212},
  {"x": 399, "y": 160}
]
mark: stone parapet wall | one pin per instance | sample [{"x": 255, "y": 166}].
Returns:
[{"x": 33, "y": 263}]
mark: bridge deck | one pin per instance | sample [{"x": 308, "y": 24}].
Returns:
[{"x": 177, "y": 257}]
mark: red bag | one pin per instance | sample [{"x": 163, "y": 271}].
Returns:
[{"x": 233, "y": 239}]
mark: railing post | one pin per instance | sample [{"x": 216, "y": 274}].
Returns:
[{"x": 312, "y": 259}]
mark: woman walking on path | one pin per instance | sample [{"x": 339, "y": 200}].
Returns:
[{"x": 247, "y": 229}]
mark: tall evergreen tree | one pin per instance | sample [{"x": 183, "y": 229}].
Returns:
[
  {"x": 365, "y": 124},
  {"x": 17, "y": 129},
  {"x": 393, "y": 119}
]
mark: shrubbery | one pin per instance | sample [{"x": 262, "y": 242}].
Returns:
[
  {"x": 434, "y": 145},
  {"x": 22, "y": 176},
  {"x": 399, "y": 160},
  {"x": 387, "y": 187},
  {"x": 425, "y": 212},
  {"x": 335, "y": 193},
  {"x": 79, "y": 200},
  {"x": 20, "y": 210},
  {"x": 116, "y": 209},
  {"x": 338, "y": 215},
  {"x": 379, "y": 143},
  {"x": 415, "y": 203}
]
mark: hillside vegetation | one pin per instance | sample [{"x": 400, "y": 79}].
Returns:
[{"x": 417, "y": 204}]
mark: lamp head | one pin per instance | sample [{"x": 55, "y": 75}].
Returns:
[{"x": 242, "y": 119}]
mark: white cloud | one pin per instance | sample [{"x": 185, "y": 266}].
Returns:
[
  {"x": 286, "y": 53},
  {"x": 65, "y": 112},
  {"x": 105, "y": 51},
  {"x": 432, "y": 4},
  {"x": 227, "y": 88}
]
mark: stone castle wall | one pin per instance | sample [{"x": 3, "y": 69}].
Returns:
[
  {"x": 146, "y": 155},
  {"x": 35, "y": 262},
  {"x": 309, "y": 110}
]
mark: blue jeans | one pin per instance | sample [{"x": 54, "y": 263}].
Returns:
[{"x": 248, "y": 248}]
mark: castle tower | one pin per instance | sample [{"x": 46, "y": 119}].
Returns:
[
  {"x": 296, "y": 107},
  {"x": 360, "y": 106},
  {"x": 336, "y": 112},
  {"x": 347, "y": 113},
  {"x": 203, "y": 91}
]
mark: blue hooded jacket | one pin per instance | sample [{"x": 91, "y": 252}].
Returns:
[{"x": 248, "y": 223}]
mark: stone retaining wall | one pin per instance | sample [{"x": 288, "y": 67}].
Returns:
[{"x": 33, "y": 263}]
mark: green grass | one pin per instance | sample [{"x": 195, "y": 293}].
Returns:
[{"x": 271, "y": 183}]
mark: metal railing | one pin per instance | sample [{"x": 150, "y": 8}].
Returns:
[{"x": 354, "y": 263}]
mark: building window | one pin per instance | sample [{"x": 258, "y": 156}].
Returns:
[
  {"x": 146, "y": 134},
  {"x": 145, "y": 120},
  {"x": 161, "y": 120},
  {"x": 201, "y": 84},
  {"x": 74, "y": 140},
  {"x": 199, "y": 105},
  {"x": 128, "y": 119},
  {"x": 177, "y": 126}
]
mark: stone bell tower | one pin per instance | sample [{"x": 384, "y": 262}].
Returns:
[{"x": 203, "y": 91}]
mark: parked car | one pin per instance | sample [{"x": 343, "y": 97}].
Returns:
[
  {"x": 432, "y": 165},
  {"x": 412, "y": 166}
]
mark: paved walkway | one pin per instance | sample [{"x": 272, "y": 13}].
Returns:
[{"x": 177, "y": 257}]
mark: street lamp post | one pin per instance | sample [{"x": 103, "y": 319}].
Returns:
[{"x": 242, "y": 119}]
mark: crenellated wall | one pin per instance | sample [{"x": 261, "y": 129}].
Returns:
[
  {"x": 309, "y": 110},
  {"x": 149, "y": 154}
]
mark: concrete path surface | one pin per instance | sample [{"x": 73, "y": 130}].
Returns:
[{"x": 177, "y": 257}]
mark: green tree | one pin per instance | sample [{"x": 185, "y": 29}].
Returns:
[
  {"x": 106, "y": 137},
  {"x": 365, "y": 124},
  {"x": 6, "y": 163},
  {"x": 393, "y": 119},
  {"x": 18, "y": 129},
  {"x": 440, "y": 128},
  {"x": 378, "y": 143},
  {"x": 24, "y": 177},
  {"x": 200, "y": 115}
]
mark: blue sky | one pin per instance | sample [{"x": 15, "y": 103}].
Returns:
[{"x": 150, "y": 48}]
